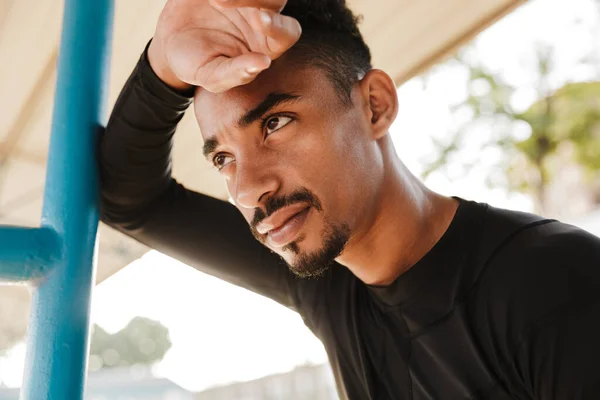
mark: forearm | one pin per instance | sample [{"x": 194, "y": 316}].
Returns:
[
  {"x": 156, "y": 59},
  {"x": 140, "y": 198},
  {"x": 135, "y": 150}
]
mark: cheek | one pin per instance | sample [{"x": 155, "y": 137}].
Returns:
[
  {"x": 351, "y": 176},
  {"x": 328, "y": 163},
  {"x": 311, "y": 161},
  {"x": 248, "y": 214}
]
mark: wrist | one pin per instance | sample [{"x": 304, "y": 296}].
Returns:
[{"x": 162, "y": 70}]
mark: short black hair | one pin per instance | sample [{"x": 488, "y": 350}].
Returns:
[{"x": 331, "y": 41}]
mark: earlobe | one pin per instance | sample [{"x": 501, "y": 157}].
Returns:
[{"x": 379, "y": 89}]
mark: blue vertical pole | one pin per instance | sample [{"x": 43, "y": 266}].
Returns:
[{"x": 58, "y": 335}]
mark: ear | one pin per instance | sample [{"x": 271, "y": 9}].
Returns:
[{"x": 381, "y": 101}]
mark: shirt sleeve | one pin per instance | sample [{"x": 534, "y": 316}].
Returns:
[
  {"x": 141, "y": 199},
  {"x": 558, "y": 357},
  {"x": 560, "y": 348},
  {"x": 551, "y": 301}
]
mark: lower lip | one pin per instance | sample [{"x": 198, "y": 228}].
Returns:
[{"x": 287, "y": 232}]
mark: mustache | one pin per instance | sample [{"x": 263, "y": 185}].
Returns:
[{"x": 274, "y": 204}]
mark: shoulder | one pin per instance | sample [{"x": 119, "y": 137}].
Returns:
[
  {"x": 538, "y": 268},
  {"x": 539, "y": 252},
  {"x": 535, "y": 308}
]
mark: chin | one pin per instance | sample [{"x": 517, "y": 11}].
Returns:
[
  {"x": 309, "y": 270},
  {"x": 315, "y": 263}
]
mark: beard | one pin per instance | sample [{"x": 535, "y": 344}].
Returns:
[
  {"x": 317, "y": 263},
  {"x": 306, "y": 264}
]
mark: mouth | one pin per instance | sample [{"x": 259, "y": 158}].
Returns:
[{"x": 287, "y": 227}]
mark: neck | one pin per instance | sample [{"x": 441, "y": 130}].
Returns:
[{"x": 408, "y": 221}]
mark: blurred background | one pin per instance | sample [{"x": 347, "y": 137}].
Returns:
[{"x": 499, "y": 103}]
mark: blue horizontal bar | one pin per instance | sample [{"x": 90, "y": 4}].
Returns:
[{"x": 27, "y": 254}]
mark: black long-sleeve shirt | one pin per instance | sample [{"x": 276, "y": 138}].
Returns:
[{"x": 505, "y": 306}]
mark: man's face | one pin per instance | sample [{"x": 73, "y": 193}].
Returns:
[{"x": 299, "y": 162}]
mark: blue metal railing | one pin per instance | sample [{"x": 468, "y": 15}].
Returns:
[{"x": 58, "y": 258}]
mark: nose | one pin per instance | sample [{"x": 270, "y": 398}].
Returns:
[{"x": 255, "y": 181}]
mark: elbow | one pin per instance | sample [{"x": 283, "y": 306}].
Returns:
[{"x": 121, "y": 218}]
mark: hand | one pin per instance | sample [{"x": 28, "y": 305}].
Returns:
[{"x": 219, "y": 44}]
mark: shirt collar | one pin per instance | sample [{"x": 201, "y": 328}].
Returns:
[{"x": 428, "y": 289}]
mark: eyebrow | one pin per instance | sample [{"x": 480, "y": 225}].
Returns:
[
  {"x": 271, "y": 101},
  {"x": 210, "y": 145}
]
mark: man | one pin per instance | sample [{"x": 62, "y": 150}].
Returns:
[{"x": 414, "y": 295}]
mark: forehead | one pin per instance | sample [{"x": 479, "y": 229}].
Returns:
[{"x": 218, "y": 111}]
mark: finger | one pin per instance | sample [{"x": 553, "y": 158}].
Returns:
[
  {"x": 281, "y": 31},
  {"x": 272, "y": 5},
  {"x": 224, "y": 73}
]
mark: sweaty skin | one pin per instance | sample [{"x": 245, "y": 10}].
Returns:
[
  {"x": 341, "y": 153},
  {"x": 429, "y": 297},
  {"x": 504, "y": 305}
]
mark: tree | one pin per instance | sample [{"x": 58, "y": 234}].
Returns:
[
  {"x": 567, "y": 120},
  {"x": 142, "y": 341},
  {"x": 561, "y": 128}
]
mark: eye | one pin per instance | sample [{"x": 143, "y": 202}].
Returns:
[
  {"x": 276, "y": 123},
  {"x": 222, "y": 160}
]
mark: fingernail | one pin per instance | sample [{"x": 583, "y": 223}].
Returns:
[{"x": 265, "y": 18}]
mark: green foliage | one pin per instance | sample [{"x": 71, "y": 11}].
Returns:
[
  {"x": 142, "y": 341},
  {"x": 568, "y": 116}
]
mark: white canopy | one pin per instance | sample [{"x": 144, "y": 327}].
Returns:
[{"x": 406, "y": 37}]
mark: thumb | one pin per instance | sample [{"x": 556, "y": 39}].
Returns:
[{"x": 223, "y": 73}]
